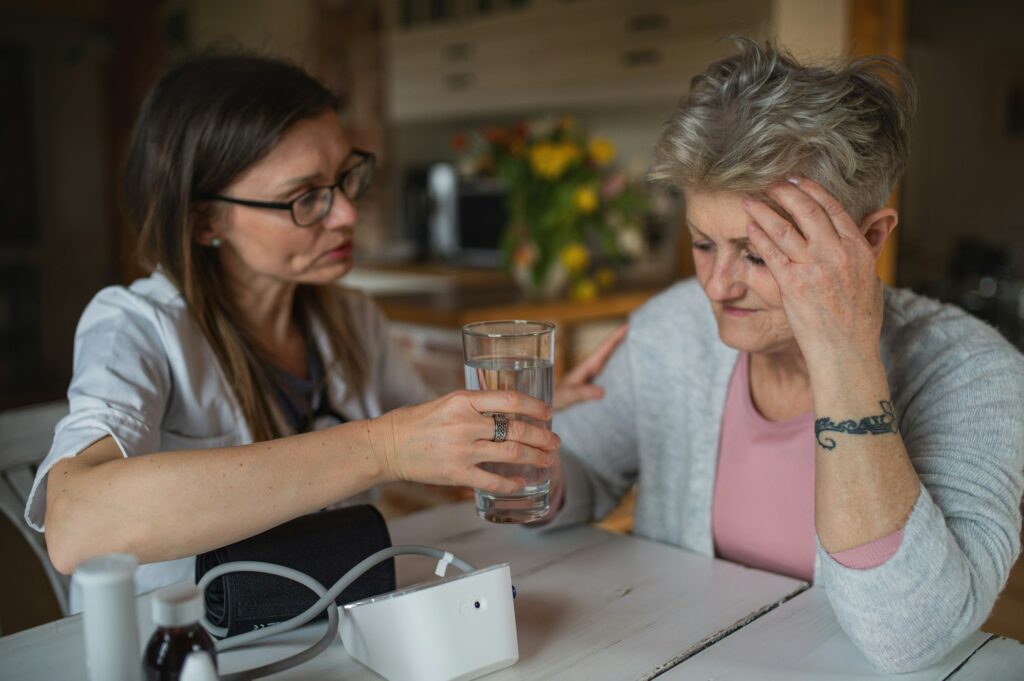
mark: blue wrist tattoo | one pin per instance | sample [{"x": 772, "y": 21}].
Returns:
[{"x": 874, "y": 425}]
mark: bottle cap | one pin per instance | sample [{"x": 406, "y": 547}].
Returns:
[
  {"x": 177, "y": 605},
  {"x": 107, "y": 569}
]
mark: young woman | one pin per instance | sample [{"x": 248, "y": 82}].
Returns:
[{"x": 238, "y": 387}]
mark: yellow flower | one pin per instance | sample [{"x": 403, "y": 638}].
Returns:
[
  {"x": 575, "y": 257},
  {"x": 584, "y": 291},
  {"x": 605, "y": 277},
  {"x": 550, "y": 160},
  {"x": 585, "y": 200},
  {"x": 601, "y": 151}
]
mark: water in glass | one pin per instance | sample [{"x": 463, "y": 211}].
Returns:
[{"x": 534, "y": 377}]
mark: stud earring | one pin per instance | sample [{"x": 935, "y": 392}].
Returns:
[{"x": 216, "y": 242}]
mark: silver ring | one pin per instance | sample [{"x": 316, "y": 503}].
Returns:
[{"x": 500, "y": 427}]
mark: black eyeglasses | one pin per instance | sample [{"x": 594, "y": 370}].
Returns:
[{"x": 312, "y": 206}]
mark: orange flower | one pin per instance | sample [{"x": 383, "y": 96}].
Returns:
[
  {"x": 496, "y": 136},
  {"x": 605, "y": 277},
  {"x": 524, "y": 255}
]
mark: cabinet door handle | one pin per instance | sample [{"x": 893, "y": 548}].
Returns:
[
  {"x": 644, "y": 23},
  {"x": 458, "y": 82},
  {"x": 639, "y": 58}
]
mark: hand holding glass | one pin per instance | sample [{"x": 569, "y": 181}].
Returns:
[{"x": 512, "y": 355}]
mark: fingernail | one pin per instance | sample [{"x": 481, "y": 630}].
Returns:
[
  {"x": 751, "y": 227},
  {"x": 793, "y": 179}
]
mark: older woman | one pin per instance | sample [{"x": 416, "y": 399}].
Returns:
[
  {"x": 784, "y": 409},
  {"x": 237, "y": 387}
]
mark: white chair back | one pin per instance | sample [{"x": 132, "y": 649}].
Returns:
[{"x": 25, "y": 438}]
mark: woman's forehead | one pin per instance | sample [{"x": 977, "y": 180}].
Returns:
[
  {"x": 313, "y": 148},
  {"x": 716, "y": 214},
  {"x": 720, "y": 213}
]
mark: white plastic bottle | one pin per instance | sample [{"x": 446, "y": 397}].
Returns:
[{"x": 109, "y": 621}]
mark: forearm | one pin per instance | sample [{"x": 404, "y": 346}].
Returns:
[
  {"x": 907, "y": 613},
  {"x": 865, "y": 485},
  {"x": 173, "y": 504}
]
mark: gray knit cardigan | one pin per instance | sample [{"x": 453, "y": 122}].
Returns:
[{"x": 958, "y": 389}]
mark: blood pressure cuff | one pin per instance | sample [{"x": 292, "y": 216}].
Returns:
[{"x": 323, "y": 545}]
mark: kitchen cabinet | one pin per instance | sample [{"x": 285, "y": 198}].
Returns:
[{"x": 561, "y": 53}]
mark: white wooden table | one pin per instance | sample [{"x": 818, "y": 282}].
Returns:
[
  {"x": 801, "y": 641},
  {"x": 591, "y": 605}
]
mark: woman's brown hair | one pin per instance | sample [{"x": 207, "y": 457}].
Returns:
[{"x": 208, "y": 120}]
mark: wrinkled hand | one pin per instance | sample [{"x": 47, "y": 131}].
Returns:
[
  {"x": 577, "y": 385},
  {"x": 825, "y": 269},
  {"x": 441, "y": 442}
]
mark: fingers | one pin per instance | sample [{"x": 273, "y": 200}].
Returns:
[
  {"x": 820, "y": 215},
  {"x": 809, "y": 215},
  {"x": 462, "y": 493},
  {"x": 576, "y": 386},
  {"x": 507, "y": 402},
  {"x": 515, "y": 453},
  {"x": 568, "y": 395},
  {"x": 595, "y": 361},
  {"x": 534, "y": 436},
  {"x": 519, "y": 431},
  {"x": 841, "y": 219},
  {"x": 783, "y": 234},
  {"x": 773, "y": 257},
  {"x": 491, "y": 482}
]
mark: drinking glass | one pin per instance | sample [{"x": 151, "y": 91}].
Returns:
[{"x": 512, "y": 355}]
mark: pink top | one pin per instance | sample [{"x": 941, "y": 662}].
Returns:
[{"x": 762, "y": 512}]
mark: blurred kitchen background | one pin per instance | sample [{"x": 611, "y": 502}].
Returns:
[{"x": 420, "y": 74}]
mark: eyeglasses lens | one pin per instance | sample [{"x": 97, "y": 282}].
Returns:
[
  {"x": 314, "y": 205},
  {"x": 357, "y": 179}
]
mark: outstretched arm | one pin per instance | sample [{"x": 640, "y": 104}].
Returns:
[{"x": 169, "y": 505}]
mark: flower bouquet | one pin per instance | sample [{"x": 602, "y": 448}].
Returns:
[{"x": 573, "y": 216}]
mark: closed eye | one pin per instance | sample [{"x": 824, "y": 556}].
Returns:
[
  {"x": 707, "y": 246},
  {"x": 753, "y": 259}
]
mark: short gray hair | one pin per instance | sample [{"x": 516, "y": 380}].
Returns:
[{"x": 759, "y": 116}]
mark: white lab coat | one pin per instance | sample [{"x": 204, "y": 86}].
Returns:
[{"x": 145, "y": 375}]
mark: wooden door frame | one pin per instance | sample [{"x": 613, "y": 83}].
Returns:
[{"x": 878, "y": 27}]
